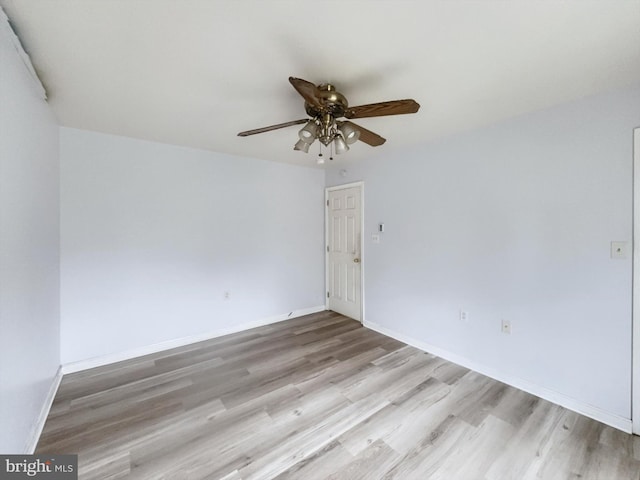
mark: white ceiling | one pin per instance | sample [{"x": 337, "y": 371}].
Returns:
[{"x": 196, "y": 72}]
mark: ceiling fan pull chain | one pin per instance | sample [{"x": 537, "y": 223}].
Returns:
[{"x": 320, "y": 157}]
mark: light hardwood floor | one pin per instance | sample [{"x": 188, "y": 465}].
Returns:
[{"x": 320, "y": 397}]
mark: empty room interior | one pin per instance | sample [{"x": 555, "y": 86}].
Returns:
[{"x": 321, "y": 240}]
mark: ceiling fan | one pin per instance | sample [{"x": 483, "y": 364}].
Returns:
[{"x": 325, "y": 105}]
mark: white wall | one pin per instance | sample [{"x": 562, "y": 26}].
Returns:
[
  {"x": 153, "y": 235},
  {"x": 513, "y": 222},
  {"x": 29, "y": 242}
]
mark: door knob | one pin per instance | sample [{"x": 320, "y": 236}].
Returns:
[{"x": 356, "y": 260}]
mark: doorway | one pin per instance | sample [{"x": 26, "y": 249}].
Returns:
[{"x": 343, "y": 226}]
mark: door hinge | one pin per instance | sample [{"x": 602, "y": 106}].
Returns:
[
  {"x": 327, "y": 248},
  {"x": 327, "y": 294},
  {"x": 327, "y": 203}
]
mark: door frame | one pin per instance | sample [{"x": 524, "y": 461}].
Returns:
[
  {"x": 635, "y": 308},
  {"x": 326, "y": 242}
]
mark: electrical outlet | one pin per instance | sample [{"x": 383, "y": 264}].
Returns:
[
  {"x": 464, "y": 316},
  {"x": 227, "y": 295},
  {"x": 506, "y": 327}
]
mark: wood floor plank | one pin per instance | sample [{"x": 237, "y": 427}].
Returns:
[
  {"x": 317, "y": 398},
  {"x": 301, "y": 445},
  {"x": 530, "y": 444},
  {"x": 436, "y": 449},
  {"x": 112, "y": 467},
  {"x": 320, "y": 465},
  {"x": 401, "y": 422},
  {"x": 370, "y": 464}
]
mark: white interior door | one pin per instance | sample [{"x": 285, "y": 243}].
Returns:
[
  {"x": 635, "y": 368},
  {"x": 344, "y": 267}
]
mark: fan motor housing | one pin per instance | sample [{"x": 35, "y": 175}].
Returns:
[{"x": 333, "y": 102}]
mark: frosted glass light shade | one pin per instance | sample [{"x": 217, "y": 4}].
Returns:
[
  {"x": 308, "y": 133},
  {"x": 302, "y": 145},
  {"x": 350, "y": 134},
  {"x": 340, "y": 145}
]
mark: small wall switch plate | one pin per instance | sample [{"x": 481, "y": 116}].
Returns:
[
  {"x": 381, "y": 227},
  {"x": 619, "y": 250},
  {"x": 375, "y": 238},
  {"x": 506, "y": 327}
]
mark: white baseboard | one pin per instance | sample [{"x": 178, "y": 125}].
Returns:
[
  {"x": 78, "y": 366},
  {"x": 36, "y": 430},
  {"x": 552, "y": 396}
]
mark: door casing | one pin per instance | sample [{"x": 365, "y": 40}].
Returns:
[{"x": 635, "y": 342}]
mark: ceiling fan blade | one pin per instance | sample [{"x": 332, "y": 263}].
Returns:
[
  {"x": 307, "y": 90},
  {"x": 367, "y": 136},
  {"x": 394, "y": 107},
  {"x": 273, "y": 127}
]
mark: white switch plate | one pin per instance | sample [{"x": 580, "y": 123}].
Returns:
[
  {"x": 619, "y": 250},
  {"x": 375, "y": 238}
]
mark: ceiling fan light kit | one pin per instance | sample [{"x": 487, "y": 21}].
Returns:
[{"x": 325, "y": 106}]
